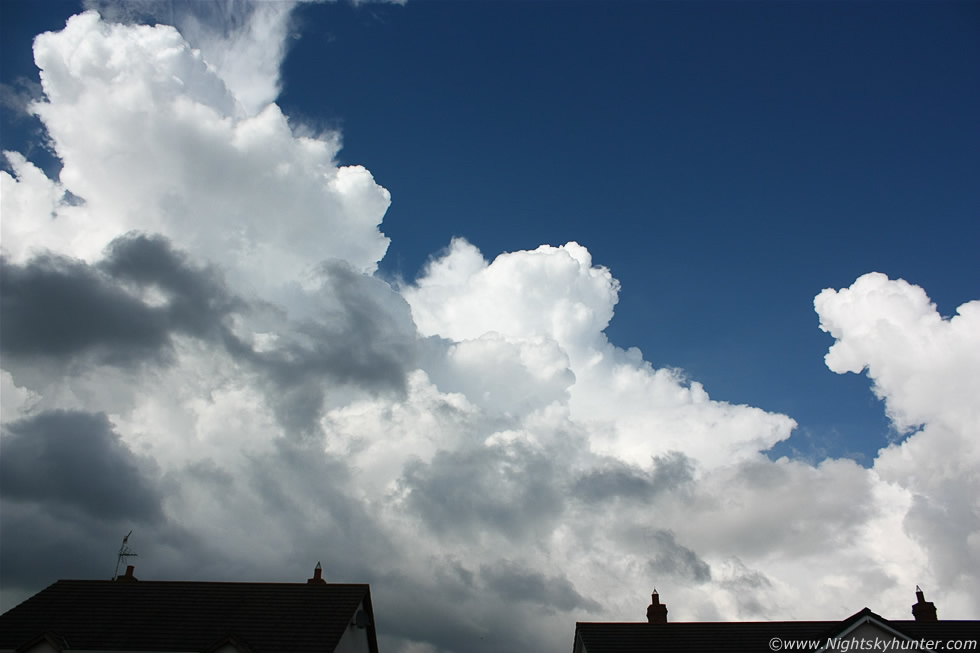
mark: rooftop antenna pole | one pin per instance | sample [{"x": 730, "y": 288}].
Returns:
[{"x": 124, "y": 552}]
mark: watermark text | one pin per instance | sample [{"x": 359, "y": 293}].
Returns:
[{"x": 842, "y": 645}]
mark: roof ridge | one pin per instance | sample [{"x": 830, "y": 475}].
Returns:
[{"x": 202, "y": 582}]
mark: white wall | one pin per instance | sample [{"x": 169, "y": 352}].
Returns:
[{"x": 355, "y": 640}]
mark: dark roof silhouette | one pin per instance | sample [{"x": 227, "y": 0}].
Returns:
[
  {"x": 189, "y": 616},
  {"x": 748, "y": 636}
]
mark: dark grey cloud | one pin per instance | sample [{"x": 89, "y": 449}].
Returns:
[
  {"x": 455, "y": 579},
  {"x": 56, "y": 307},
  {"x": 511, "y": 490},
  {"x": 197, "y": 299},
  {"x": 312, "y": 495},
  {"x": 675, "y": 560},
  {"x": 464, "y": 620},
  {"x": 76, "y": 459},
  {"x": 515, "y": 582},
  {"x": 362, "y": 334},
  {"x": 947, "y": 529},
  {"x": 208, "y": 472},
  {"x": 41, "y": 546},
  {"x": 749, "y": 587},
  {"x": 44, "y": 543},
  {"x": 53, "y": 528},
  {"x": 66, "y": 310},
  {"x": 69, "y": 490},
  {"x": 377, "y": 324},
  {"x": 431, "y": 618},
  {"x": 615, "y": 479}
]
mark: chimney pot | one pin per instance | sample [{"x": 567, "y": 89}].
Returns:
[
  {"x": 923, "y": 610},
  {"x": 128, "y": 577},
  {"x": 317, "y": 576},
  {"x": 657, "y": 611}
]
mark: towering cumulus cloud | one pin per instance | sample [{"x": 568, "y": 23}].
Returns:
[
  {"x": 196, "y": 347},
  {"x": 152, "y": 139},
  {"x": 925, "y": 368}
]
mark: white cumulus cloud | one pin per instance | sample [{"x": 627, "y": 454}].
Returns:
[
  {"x": 152, "y": 139},
  {"x": 926, "y": 369}
]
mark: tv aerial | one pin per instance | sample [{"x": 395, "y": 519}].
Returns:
[{"x": 124, "y": 553}]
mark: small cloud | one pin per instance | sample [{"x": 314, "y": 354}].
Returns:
[{"x": 18, "y": 97}]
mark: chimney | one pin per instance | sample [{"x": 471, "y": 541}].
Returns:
[
  {"x": 129, "y": 577},
  {"x": 923, "y": 610},
  {"x": 317, "y": 576},
  {"x": 657, "y": 612}
]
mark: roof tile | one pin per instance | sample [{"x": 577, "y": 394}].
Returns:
[{"x": 187, "y": 616}]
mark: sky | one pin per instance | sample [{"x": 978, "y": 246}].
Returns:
[{"x": 514, "y": 310}]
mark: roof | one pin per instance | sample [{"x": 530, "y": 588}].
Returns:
[
  {"x": 754, "y": 636},
  {"x": 189, "y": 616}
]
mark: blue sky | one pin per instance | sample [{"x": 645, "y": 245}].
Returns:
[
  {"x": 225, "y": 304},
  {"x": 727, "y": 161}
]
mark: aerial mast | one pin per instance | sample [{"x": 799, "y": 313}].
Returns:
[{"x": 124, "y": 552}]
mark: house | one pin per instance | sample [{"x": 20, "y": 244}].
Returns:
[
  {"x": 864, "y": 630},
  {"x": 133, "y": 615}
]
